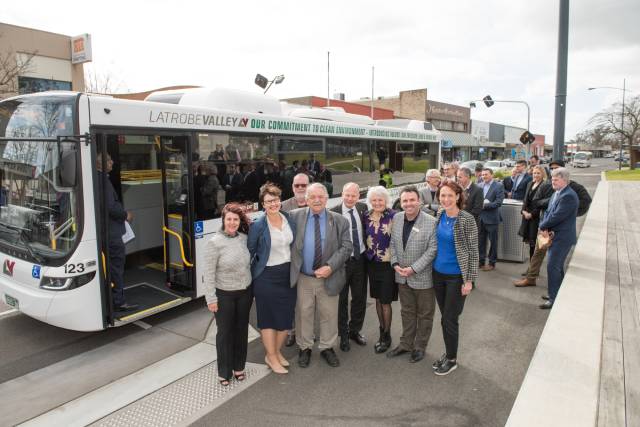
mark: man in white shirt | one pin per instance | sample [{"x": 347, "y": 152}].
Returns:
[{"x": 354, "y": 212}]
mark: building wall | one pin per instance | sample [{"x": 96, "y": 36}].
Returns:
[
  {"x": 52, "y": 58},
  {"x": 448, "y": 116},
  {"x": 349, "y": 107},
  {"x": 413, "y": 104}
]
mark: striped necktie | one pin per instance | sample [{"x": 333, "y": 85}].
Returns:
[{"x": 317, "y": 254}]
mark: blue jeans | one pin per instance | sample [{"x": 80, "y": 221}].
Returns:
[{"x": 555, "y": 267}]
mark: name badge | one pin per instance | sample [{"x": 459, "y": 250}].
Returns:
[{"x": 416, "y": 229}]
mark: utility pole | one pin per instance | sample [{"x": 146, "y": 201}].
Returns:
[
  {"x": 328, "y": 78},
  {"x": 561, "y": 81},
  {"x": 372, "y": 74}
]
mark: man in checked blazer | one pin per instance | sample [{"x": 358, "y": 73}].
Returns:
[
  {"x": 413, "y": 249},
  {"x": 321, "y": 248}
]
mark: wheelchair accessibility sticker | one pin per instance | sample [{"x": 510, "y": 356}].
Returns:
[{"x": 198, "y": 229}]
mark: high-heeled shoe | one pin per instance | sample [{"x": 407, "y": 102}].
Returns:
[
  {"x": 284, "y": 362},
  {"x": 276, "y": 369}
]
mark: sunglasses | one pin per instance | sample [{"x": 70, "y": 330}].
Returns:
[{"x": 300, "y": 185}]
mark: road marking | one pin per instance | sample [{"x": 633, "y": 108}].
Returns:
[
  {"x": 143, "y": 325},
  {"x": 9, "y": 312}
]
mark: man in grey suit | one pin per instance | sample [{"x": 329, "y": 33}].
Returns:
[
  {"x": 473, "y": 194},
  {"x": 321, "y": 248},
  {"x": 413, "y": 249},
  {"x": 428, "y": 194},
  {"x": 490, "y": 218}
]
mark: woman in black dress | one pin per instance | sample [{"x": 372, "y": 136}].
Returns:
[{"x": 531, "y": 210}]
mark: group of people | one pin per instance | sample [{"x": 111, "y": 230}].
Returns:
[{"x": 301, "y": 260}]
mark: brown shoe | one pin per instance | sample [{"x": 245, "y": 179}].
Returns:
[
  {"x": 488, "y": 267},
  {"x": 524, "y": 282}
]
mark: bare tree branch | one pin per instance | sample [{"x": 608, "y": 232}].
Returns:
[
  {"x": 11, "y": 66},
  {"x": 103, "y": 83}
]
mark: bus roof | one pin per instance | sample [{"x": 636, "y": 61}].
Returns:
[{"x": 147, "y": 114}]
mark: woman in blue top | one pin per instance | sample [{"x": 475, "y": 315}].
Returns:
[
  {"x": 454, "y": 269},
  {"x": 270, "y": 240}
]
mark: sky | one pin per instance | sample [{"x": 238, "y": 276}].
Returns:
[{"x": 459, "y": 50}]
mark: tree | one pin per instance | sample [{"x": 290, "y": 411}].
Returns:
[
  {"x": 103, "y": 83},
  {"x": 13, "y": 65},
  {"x": 610, "y": 121}
]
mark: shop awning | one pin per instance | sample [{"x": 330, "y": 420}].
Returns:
[{"x": 457, "y": 139}]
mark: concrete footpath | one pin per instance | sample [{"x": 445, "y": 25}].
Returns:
[{"x": 586, "y": 368}]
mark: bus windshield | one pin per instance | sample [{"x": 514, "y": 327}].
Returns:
[
  {"x": 38, "y": 214},
  {"x": 580, "y": 156}
]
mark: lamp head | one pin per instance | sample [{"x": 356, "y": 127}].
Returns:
[{"x": 472, "y": 105}]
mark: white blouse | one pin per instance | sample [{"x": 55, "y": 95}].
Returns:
[{"x": 280, "y": 243}]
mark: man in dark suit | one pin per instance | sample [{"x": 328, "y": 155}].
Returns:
[
  {"x": 490, "y": 218},
  {"x": 117, "y": 217},
  {"x": 520, "y": 181},
  {"x": 353, "y": 211},
  {"x": 472, "y": 193},
  {"x": 559, "y": 218},
  {"x": 232, "y": 183},
  {"x": 321, "y": 248}
]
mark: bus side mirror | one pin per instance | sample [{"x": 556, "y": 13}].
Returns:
[{"x": 67, "y": 164}]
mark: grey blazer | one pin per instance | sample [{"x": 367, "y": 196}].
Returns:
[
  {"x": 420, "y": 252},
  {"x": 430, "y": 204},
  {"x": 335, "y": 253}
]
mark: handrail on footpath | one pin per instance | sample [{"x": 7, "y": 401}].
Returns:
[
  {"x": 562, "y": 384},
  {"x": 177, "y": 236}
]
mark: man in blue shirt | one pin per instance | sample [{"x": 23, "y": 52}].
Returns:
[{"x": 318, "y": 255}]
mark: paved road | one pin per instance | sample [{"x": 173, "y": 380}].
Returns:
[{"x": 500, "y": 328}]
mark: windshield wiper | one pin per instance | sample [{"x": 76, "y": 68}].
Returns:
[{"x": 20, "y": 232}]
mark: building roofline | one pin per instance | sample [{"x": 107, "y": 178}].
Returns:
[{"x": 35, "y": 29}]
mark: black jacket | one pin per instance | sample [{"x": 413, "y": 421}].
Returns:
[
  {"x": 473, "y": 203},
  {"x": 584, "y": 198}
]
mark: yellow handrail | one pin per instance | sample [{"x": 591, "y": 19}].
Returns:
[{"x": 177, "y": 236}]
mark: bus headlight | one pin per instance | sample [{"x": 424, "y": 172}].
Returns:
[{"x": 66, "y": 283}]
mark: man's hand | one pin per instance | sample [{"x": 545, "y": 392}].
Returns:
[
  {"x": 213, "y": 307},
  {"x": 129, "y": 216},
  {"x": 323, "y": 272}
]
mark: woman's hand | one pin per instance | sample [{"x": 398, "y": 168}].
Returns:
[
  {"x": 213, "y": 307},
  {"x": 466, "y": 288}
]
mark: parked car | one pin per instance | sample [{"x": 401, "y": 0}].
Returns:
[
  {"x": 496, "y": 165},
  {"x": 609, "y": 155},
  {"x": 509, "y": 163},
  {"x": 471, "y": 164}
]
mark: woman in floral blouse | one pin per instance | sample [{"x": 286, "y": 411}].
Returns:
[{"x": 381, "y": 278}]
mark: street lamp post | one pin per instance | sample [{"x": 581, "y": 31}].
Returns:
[
  {"x": 264, "y": 82},
  {"x": 488, "y": 101},
  {"x": 624, "y": 90}
]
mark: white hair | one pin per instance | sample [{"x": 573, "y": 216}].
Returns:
[
  {"x": 379, "y": 190},
  {"x": 316, "y": 186},
  {"x": 302, "y": 175},
  {"x": 432, "y": 172},
  {"x": 349, "y": 184},
  {"x": 561, "y": 173}
]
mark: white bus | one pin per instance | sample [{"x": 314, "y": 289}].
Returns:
[
  {"x": 171, "y": 160},
  {"x": 582, "y": 159}
]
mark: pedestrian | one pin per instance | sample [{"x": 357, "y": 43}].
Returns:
[
  {"x": 117, "y": 218},
  {"x": 413, "y": 249},
  {"x": 472, "y": 194},
  {"x": 490, "y": 219},
  {"x": 531, "y": 208},
  {"x": 428, "y": 194},
  {"x": 520, "y": 181},
  {"x": 350, "y": 327},
  {"x": 542, "y": 199},
  {"x": 321, "y": 248},
  {"x": 227, "y": 289},
  {"x": 455, "y": 268},
  {"x": 299, "y": 200},
  {"x": 559, "y": 224},
  {"x": 269, "y": 242},
  {"x": 382, "y": 285}
]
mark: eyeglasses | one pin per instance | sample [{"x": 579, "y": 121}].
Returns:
[
  {"x": 270, "y": 201},
  {"x": 300, "y": 185}
]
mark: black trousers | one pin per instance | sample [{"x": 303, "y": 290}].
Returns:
[
  {"x": 232, "y": 320},
  {"x": 450, "y": 300},
  {"x": 117, "y": 259},
  {"x": 357, "y": 282},
  {"x": 490, "y": 231}
]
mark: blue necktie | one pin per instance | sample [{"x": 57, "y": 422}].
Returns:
[
  {"x": 317, "y": 254},
  {"x": 354, "y": 236}
]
